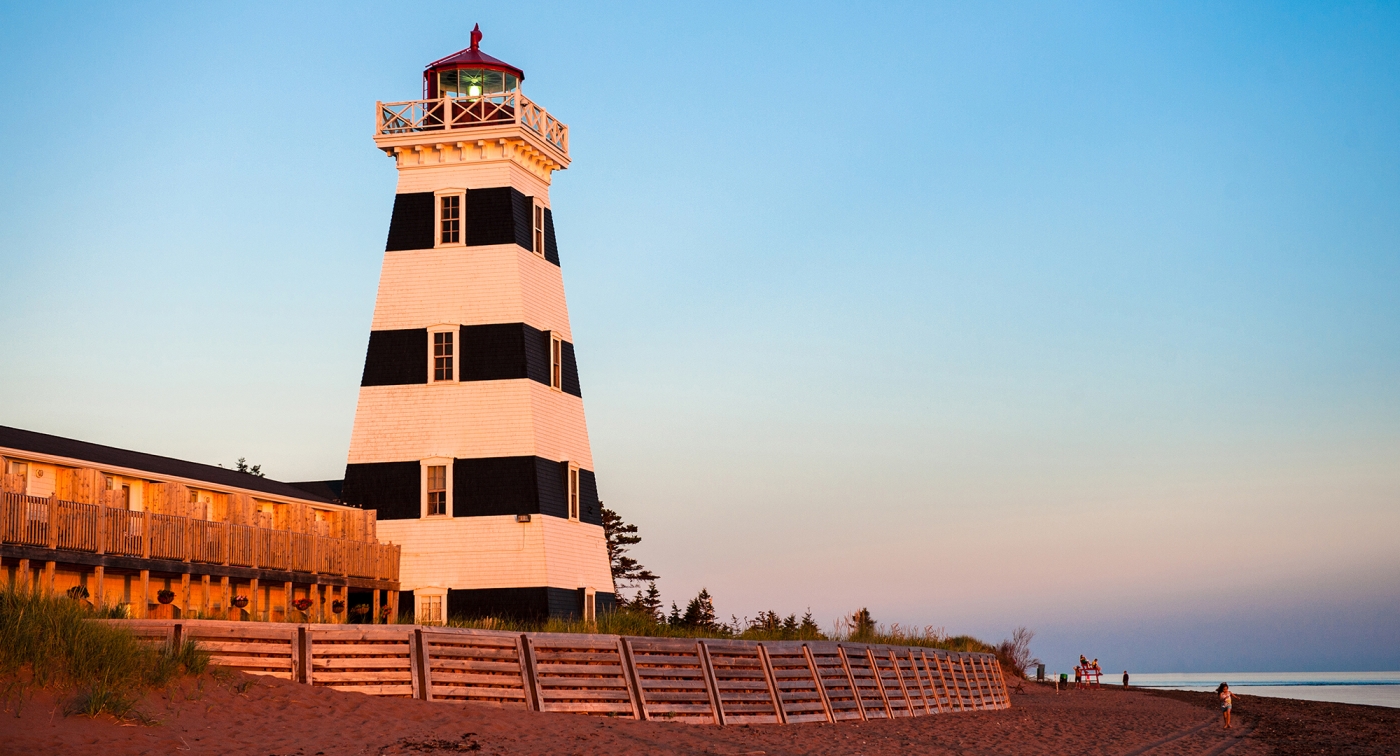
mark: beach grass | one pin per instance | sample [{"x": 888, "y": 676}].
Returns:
[{"x": 48, "y": 641}]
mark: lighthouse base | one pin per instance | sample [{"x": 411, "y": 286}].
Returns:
[{"x": 530, "y": 604}]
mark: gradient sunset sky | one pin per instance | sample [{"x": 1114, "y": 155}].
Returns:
[{"x": 1084, "y": 317}]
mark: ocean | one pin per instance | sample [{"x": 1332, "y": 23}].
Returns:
[{"x": 1373, "y": 688}]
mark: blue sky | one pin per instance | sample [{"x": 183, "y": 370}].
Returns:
[{"x": 1083, "y": 317}]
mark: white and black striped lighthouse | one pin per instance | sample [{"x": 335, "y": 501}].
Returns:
[{"x": 469, "y": 436}]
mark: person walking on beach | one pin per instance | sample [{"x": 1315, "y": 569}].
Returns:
[
  {"x": 1125, "y": 679},
  {"x": 1226, "y": 702}
]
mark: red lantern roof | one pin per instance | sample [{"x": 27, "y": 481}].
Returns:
[{"x": 472, "y": 57}]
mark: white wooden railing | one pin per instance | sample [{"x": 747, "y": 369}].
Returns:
[{"x": 454, "y": 113}]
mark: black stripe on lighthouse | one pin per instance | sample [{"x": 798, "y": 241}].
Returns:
[
  {"x": 498, "y": 215},
  {"x": 483, "y": 487},
  {"x": 496, "y": 352},
  {"x": 396, "y": 358}
]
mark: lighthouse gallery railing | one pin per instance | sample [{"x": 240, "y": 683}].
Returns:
[{"x": 453, "y": 113}]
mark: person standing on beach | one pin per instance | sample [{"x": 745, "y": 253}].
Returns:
[
  {"x": 1226, "y": 702},
  {"x": 1125, "y": 679}
]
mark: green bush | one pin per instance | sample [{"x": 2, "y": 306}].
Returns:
[{"x": 51, "y": 638}]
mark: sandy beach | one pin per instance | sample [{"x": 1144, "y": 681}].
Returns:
[{"x": 240, "y": 714}]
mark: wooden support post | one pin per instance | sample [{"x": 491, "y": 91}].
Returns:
[
  {"x": 226, "y": 597},
  {"x": 375, "y": 607},
  {"x": 145, "y": 535},
  {"x": 253, "y": 599},
  {"x": 879, "y": 681},
  {"x": 22, "y": 578},
  {"x": 821, "y": 684},
  {"x": 851, "y": 678},
  {"x": 50, "y": 570},
  {"x": 204, "y": 599},
  {"x": 145, "y": 594},
  {"x": 99, "y": 586},
  {"x": 53, "y": 521},
  {"x": 286, "y": 602},
  {"x": 393, "y": 607},
  {"x": 185, "y": 595}
]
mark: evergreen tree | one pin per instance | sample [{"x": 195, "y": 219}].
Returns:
[
  {"x": 675, "y": 619},
  {"x": 650, "y": 603},
  {"x": 808, "y": 630},
  {"x": 861, "y": 624},
  {"x": 700, "y": 612},
  {"x": 789, "y": 627},
  {"x": 620, "y": 536}
]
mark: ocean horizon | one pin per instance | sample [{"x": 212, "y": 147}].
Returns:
[{"x": 1370, "y": 688}]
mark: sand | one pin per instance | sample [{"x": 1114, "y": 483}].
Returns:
[{"x": 241, "y": 714}]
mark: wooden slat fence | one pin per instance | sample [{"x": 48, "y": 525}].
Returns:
[
  {"x": 671, "y": 679},
  {"x": 708, "y": 681},
  {"x": 580, "y": 674},
  {"x": 742, "y": 682},
  {"x": 477, "y": 666}
]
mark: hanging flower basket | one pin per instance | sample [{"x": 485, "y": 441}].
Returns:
[
  {"x": 337, "y": 606},
  {"x": 302, "y": 604},
  {"x": 240, "y": 601},
  {"x": 360, "y": 610},
  {"x": 165, "y": 596}
]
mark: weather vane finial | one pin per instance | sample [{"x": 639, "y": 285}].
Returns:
[{"x": 476, "y": 36}]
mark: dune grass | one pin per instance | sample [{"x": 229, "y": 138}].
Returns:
[{"x": 47, "y": 641}]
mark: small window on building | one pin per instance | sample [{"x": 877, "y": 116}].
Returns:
[
  {"x": 18, "y": 468},
  {"x": 539, "y": 230},
  {"x": 442, "y": 356},
  {"x": 430, "y": 610},
  {"x": 556, "y": 362},
  {"x": 450, "y": 219},
  {"x": 573, "y": 493},
  {"x": 437, "y": 489}
]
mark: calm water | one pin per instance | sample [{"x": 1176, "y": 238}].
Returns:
[{"x": 1374, "y": 688}]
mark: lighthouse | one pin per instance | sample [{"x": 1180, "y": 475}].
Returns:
[{"x": 469, "y": 438}]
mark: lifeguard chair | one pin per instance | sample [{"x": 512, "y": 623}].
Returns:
[{"x": 1088, "y": 676}]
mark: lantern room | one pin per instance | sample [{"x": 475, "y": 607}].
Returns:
[{"x": 470, "y": 73}]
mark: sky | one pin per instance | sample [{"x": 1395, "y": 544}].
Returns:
[{"x": 1083, "y": 317}]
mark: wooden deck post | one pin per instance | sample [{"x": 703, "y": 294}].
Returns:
[
  {"x": 185, "y": 595},
  {"x": 53, "y": 521},
  {"x": 145, "y": 535},
  {"x": 224, "y": 602},
  {"x": 145, "y": 592},
  {"x": 204, "y": 600},
  {"x": 286, "y": 602},
  {"x": 253, "y": 599},
  {"x": 50, "y": 569},
  {"x": 22, "y": 578},
  {"x": 314, "y": 592},
  {"x": 375, "y": 608},
  {"x": 393, "y": 607},
  {"x": 102, "y": 530},
  {"x": 99, "y": 592}
]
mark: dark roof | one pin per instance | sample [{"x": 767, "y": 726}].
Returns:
[
  {"x": 99, "y": 456},
  {"x": 473, "y": 58},
  {"x": 325, "y": 489}
]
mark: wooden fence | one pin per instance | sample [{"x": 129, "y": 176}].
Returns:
[
  {"x": 704, "y": 681},
  {"x": 57, "y": 524}
]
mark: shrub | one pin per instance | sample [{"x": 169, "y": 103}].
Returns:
[{"x": 52, "y": 639}]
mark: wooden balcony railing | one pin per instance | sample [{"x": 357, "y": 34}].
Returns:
[
  {"x": 454, "y": 113},
  {"x": 92, "y": 528}
]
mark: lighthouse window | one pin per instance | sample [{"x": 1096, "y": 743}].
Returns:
[
  {"x": 437, "y": 489},
  {"x": 442, "y": 356},
  {"x": 474, "y": 82},
  {"x": 556, "y": 362},
  {"x": 539, "y": 229},
  {"x": 450, "y": 219},
  {"x": 573, "y": 492}
]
